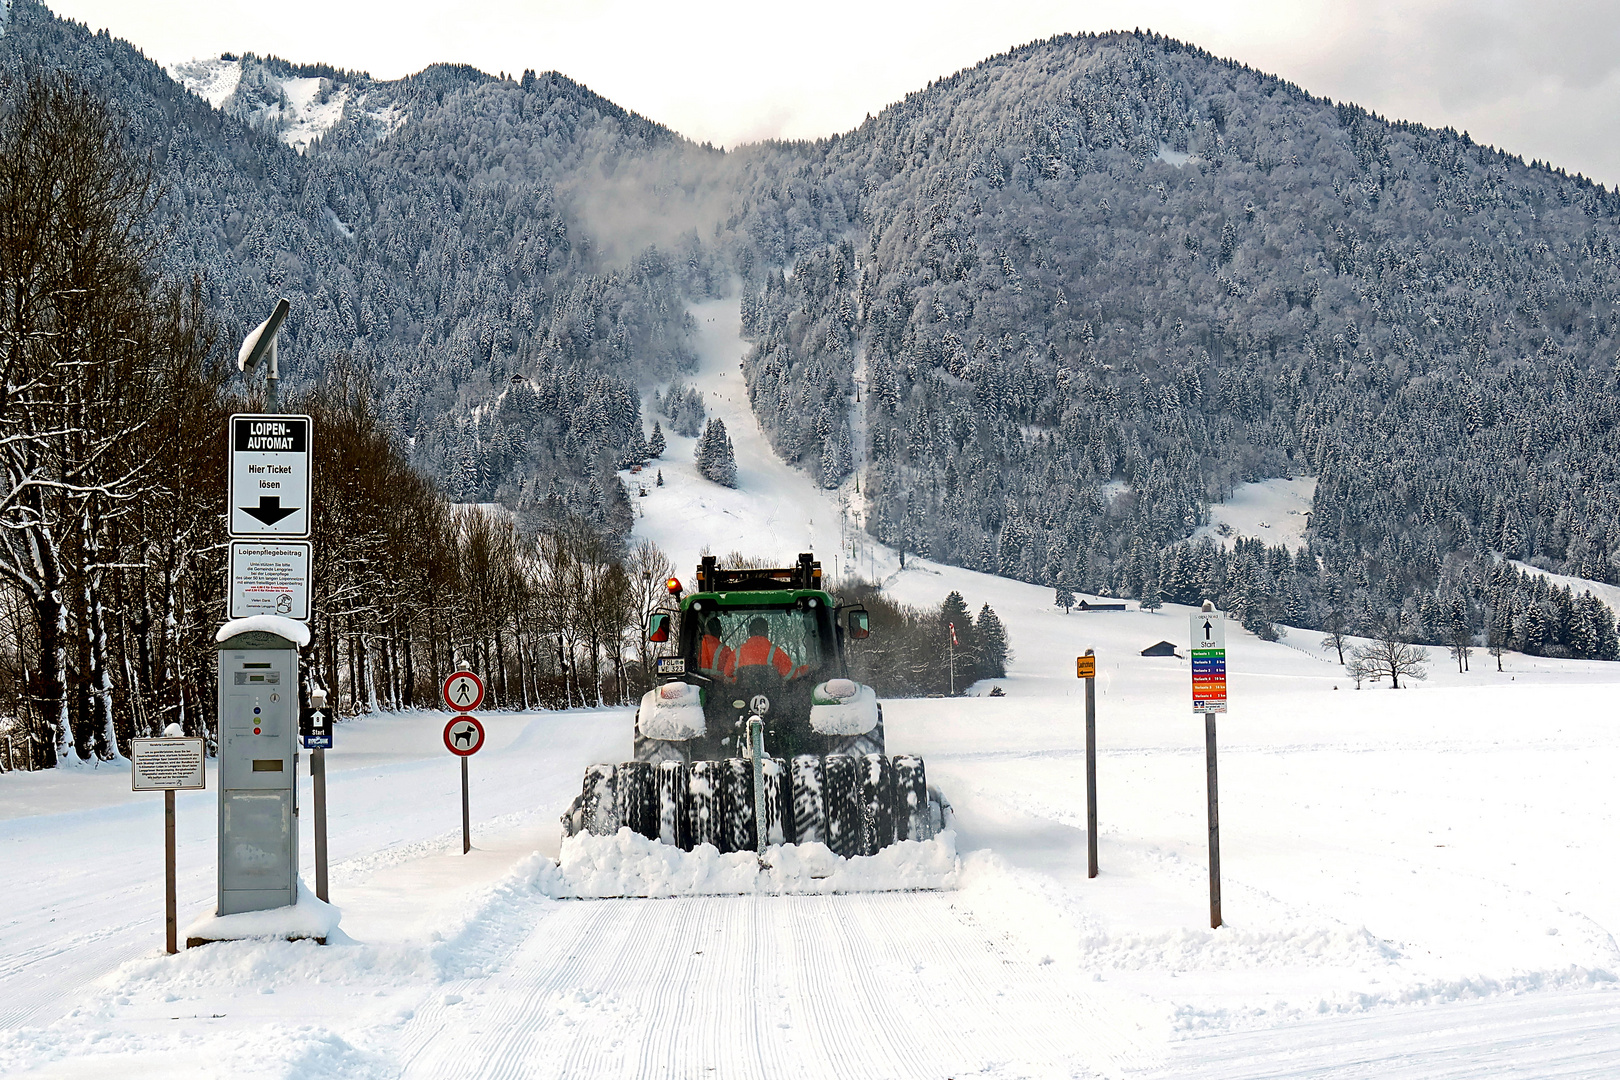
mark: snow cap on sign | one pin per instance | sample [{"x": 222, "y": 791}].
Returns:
[
  {"x": 291, "y": 629},
  {"x": 248, "y": 343}
]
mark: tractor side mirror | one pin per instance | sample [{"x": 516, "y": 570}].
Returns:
[
  {"x": 658, "y": 628},
  {"x": 859, "y": 623}
]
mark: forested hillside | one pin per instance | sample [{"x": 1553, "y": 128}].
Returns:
[
  {"x": 1043, "y": 312},
  {"x": 422, "y": 239},
  {"x": 1087, "y": 286}
]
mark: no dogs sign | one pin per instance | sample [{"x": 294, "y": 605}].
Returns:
[{"x": 463, "y": 735}]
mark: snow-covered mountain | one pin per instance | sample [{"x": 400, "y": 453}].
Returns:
[
  {"x": 1049, "y": 309},
  {"x": 269, "y": 95}
]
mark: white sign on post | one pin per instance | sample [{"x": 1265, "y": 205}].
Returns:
[
  {"x": 169, "y": 764},
  {"x": 270, "y": 578},
  {"x": 1207, "y": 630},
  {"x": 270, "y": 475}
]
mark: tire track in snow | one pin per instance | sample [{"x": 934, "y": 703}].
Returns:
[
  {"x": 1561, "y": 1035},
  {"x": 893, "y": 985}
]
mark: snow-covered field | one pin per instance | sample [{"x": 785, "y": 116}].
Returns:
[{"x": 1417, "y": 884}]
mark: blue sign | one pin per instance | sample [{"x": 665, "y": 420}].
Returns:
[{"x": 314, "y": 732}]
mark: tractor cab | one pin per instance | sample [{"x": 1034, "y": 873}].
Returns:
[{"x": 764, "y": 642}]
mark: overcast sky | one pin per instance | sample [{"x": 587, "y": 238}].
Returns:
[{"x": 1541, "y": 79}]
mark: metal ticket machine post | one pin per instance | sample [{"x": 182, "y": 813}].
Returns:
[{"x": 258, "y": 778}]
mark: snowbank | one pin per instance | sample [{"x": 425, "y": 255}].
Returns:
[
  {"x": 628, "y": 864},
  {"x": 311, "y": 917},
  {"x": 291, "y": 629}
]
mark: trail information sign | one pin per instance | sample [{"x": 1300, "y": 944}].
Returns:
[
  {"x": 1208, "y": 633},
  {"x": 1085, "y": 667},
  {"x": 270, "y": 474},
  {"x": 167, "y": 764},
  {"x": 270, "y": 578}
]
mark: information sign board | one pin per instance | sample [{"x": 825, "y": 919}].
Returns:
[
  {"x": 1208, "y": 633},
  {"x": 1085, "y": 667},
  {"x": 270, "y": 577},
  {"x": 167, "y": 764},
  {"x": 269, "y": 475}
]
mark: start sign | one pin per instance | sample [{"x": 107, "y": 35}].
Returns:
[{"x": 1208, "y": 632}]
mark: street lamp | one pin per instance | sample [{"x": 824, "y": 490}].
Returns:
[{"x": 260, "y": 345}]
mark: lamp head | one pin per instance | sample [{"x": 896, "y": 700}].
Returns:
[{"x": 256, "y": 346}]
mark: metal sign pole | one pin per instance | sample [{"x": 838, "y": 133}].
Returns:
[
  {"x": 317, "y": 774},
  {"x": 1214, "y": 825},
  {"x": 466, "y": 820},
  {"x": 171, "y": 916},
  {"x": 756, "y": 739},
  {"x": 1091, "y": 774}
]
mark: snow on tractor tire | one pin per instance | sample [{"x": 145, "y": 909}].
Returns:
[{"x": 765, "y": 643}]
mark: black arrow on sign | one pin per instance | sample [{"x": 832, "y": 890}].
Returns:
[
  {"x": 1206, "y": 621},
  {"x": 269, "y": 509}
]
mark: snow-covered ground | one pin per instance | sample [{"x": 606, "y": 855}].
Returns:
[
  {"x": 1416, "y": 884},
  {"x": 1609, "y": 594},
  {"x": 304, "y": 119},
  {"x": 213, "y": 80},
  {"x": 1276, "y": 511}
]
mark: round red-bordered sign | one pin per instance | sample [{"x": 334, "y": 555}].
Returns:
[
  {"x": 463, "y": 735},
  {"x": 463, "y": 691}
]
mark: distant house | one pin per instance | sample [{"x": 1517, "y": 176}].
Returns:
[
  {"x": 1083, "y": 606},
  {"x": 1163, "y": 648}
]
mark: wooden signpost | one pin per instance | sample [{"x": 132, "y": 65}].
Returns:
[
  {"x": 169, "y": 764},
  {"x": 1086, "y": 668},
  {"x": 1208, "y": 632}
]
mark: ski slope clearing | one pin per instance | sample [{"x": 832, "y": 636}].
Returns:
[
  {"x": 1417, "y": 884},
  {"x": 1276, "y": 511}
]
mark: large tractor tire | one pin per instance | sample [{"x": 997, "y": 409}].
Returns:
[
  {"x": 739, "y": 805},
  {"x": 877, "y": 803},
  {"x": 705, "y": 803},
  {"x": 809, "y": 809},
  {"x": 842, "y": 796},
  {"x": 674, "y": 805},
  {"x": 636, "y": 798},
  {"x": 913, "y": 817}
]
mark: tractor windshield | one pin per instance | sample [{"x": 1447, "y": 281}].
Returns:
[{"x": 735, "y": 643}]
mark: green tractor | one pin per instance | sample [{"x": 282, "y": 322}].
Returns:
[{"x": 757, "y": 686}]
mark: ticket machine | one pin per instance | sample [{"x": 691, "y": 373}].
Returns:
[{"x": 258, "y": 776}]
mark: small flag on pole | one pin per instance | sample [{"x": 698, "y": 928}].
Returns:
[{"x": 953, "y": 634}]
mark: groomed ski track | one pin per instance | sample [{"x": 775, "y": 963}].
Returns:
[{"x": 895, "y": 985}]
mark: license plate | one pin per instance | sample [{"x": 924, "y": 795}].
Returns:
[{"x": 672, "y": 665}]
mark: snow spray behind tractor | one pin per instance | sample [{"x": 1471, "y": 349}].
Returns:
[{"x": 757, "y": 686}]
